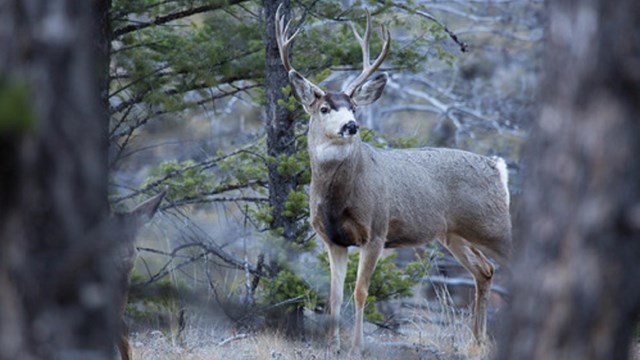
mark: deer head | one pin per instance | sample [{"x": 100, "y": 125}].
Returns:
[{"x": 333, "y": 121}]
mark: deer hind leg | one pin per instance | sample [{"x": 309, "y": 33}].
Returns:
[
  {"x": 123, "y": 343},
  {"x": 369, "y": 255},
  {"x": 338, "y": 259},
  {"x": 482, "y": 271}
]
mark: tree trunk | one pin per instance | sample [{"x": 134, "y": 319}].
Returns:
[
  {"x": 279, "y": 122},
  {"x": 575, "y": 275},
  {"x": 280, "y": 142},
  {"x": 56, "y": 289}
]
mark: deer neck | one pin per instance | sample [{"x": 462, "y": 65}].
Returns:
[{"x": 335, "y": 167}]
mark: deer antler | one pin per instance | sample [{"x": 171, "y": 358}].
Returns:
[
  {"x": 282, "y": 39},
  {"x": 367, "y": 67},
  {"x": 283, "y": 46}
]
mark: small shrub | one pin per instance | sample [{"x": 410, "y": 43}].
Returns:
[{"x": 388, "y": 281}]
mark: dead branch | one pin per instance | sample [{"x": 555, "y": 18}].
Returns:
[
  {"x": 464, "y": 47},
  {"x": 459, "y": 281},
  {"x": 233, "y": 338}
]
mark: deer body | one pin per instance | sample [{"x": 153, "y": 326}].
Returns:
[
  {"x": 375, "y": 198},
  {"x": 410, "y": 197},
  {"x": 129, "y": 224}
]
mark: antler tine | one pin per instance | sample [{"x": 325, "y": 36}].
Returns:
[
  {"x": 367, "y": 67},
  {"x": 282, "y": 39},
  {"x": 364, "y": 41}
]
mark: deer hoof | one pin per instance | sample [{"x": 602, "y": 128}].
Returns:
[
  {"x": 355, "y": 353},
  {"x": 334, "y": 345}
]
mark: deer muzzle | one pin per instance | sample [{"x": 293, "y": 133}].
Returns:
[{"x": 350, "y": 128}]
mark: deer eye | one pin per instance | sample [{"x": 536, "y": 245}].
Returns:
[{"x": 324, "y": 109}]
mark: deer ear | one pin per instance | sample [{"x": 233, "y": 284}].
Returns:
[
  {"x": 370, "y": 91},
  {"x": 304, "y": 90},
  {"x": 145, "y": 211}
]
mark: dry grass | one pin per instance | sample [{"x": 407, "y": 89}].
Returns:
[
  {"x": 221, "y": 344},
  {"x": 427, "y": 331},
  {"x": 445, "y": 327}
]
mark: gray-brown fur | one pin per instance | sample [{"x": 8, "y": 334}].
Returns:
[
  {"x": 337, "y": 100},
  {"x": 418, "y": 195},
  {"x": 130, "y": 223},
  {"x": 375, "y": 198}
]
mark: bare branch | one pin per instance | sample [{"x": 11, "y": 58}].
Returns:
[
  {"x": 207, "y": 249},
  {"x": 208, "y": 200},
  {"x": 222, "y": 94},
  {"x": 461, "y": 281},
  {"x": 464, "y": 14},
  {"x": 463, "y": 46},
  {"x": 233, "y": 338}
]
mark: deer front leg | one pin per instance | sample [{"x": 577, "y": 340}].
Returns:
[
  {"x": 369, "y": 255},
  {"x": 123, "y": 340},
  {"x": 123, "y": 344},
  {"x": 338, "y": 259}
]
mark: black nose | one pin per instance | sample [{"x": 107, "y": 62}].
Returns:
[{"x": 350, "y": 128}]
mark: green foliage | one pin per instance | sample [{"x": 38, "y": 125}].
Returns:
[
  {"x": 263, "y": 214},
  {"x": 16, "y": 114},
  {"x": 297, "y": 204},
  {"x": 292, "y": 164},
  {"x": 291, "y": 103},
  {"x": 445, "y": 56},
  {"x": 147, "y": 303},
  {"x": 388, "y": 281},
  {"x": 190, "y": 61},
  {"x": 186, "y": 180},
  {"x": 244, "y": 167},
  {"x": 400, "y": 142},
  {"x": 289, "y": 289},
  {"x": 159, "y": 65},
  {"x": 176, "y": 68},
  {"x": 164, "y": 292},
  {"x": 386, "y": 141}
]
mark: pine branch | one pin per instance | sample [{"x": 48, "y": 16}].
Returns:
[
  {"x": 159, "y": 20},
  {"x": 202, "y": 165}
]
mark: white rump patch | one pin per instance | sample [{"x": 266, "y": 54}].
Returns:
[
  {"x": 333, "y": 152},
  {"x": 504, "y": 175}
]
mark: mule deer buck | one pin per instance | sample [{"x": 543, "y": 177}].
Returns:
[
  {"x": 129, "y": 224},
  {"x": 379, "y": 198}
]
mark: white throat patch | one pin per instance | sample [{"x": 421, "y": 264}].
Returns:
[{"x": 333, "y": 152}]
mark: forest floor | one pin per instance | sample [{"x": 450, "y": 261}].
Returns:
[
  {"x": 430, "y": 331},
  {"x": 426, "y": 333}
]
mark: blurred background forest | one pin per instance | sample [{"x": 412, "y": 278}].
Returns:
[
  {"x": 200, "y": 112},
  {"x": 187, "y": 103}
]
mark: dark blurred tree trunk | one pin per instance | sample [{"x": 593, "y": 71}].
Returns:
[
  {"x": 280, "y": 142},
  {"x": 103, "y": 42},
  {"x": 56, "y": 286},
  {"x": 575, "y": 277}
]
